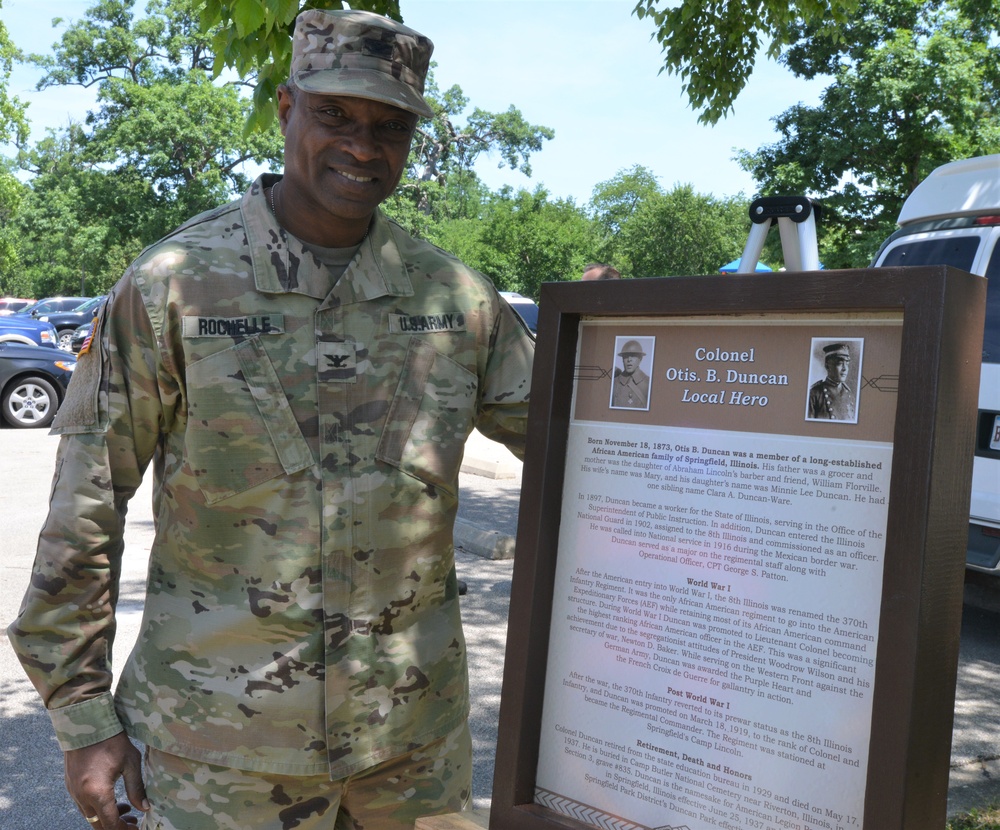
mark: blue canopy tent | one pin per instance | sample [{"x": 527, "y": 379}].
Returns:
[{"x": 730, "y": 267}]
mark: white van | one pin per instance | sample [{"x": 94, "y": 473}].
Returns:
[{"x": 953, "y": 218}]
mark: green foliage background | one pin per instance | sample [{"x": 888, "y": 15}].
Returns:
[{"x": 914, "y": 83}]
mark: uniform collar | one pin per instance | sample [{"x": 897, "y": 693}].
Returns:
[
  {"x": 635, "y": 377},
  {"x": 281, "y": 264}
]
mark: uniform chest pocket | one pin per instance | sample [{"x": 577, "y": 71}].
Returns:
[
  {"x": 241, "y": 429},
  {"x": 431, "y": 414}
]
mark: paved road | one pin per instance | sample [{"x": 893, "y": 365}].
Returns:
[{"x": 31, "y": 790}]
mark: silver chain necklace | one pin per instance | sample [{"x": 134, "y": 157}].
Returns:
[{"x": 274, "y": 187}]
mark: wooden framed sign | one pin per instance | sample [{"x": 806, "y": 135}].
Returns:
[{"x": 737, "y": 590}]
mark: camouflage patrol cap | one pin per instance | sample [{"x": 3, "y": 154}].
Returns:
[{"x": 362, "y": 55}]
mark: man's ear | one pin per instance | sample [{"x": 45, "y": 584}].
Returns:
[{"x": 286, "y": 99}]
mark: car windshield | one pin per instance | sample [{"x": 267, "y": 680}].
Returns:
[
  {"x": 960, "y": 252},
  {"x": 53, "y": 304},
  {"x": 528, "y": 312},
  {"x": 91, "y": 303}
]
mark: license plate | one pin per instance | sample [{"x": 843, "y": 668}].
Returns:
[{"x": 995, "y": 435}]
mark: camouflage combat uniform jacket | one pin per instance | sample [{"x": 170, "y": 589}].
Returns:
[{"x": 302, "y": 614}]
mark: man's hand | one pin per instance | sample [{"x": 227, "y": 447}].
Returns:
[{"x": 91, "y": 774}]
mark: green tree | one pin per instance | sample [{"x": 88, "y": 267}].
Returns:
[
  {"x": 159, "y": 113},
  {"x": 439, "y": 180},
  {"x": 111, "y": 41},
  {"x": 13, "y": 129},
  {"x": 521, "y": 240},
  {"x": 713, "y": 44},
  {"x": 682, "y": 232},
  {"x": 12, "y": 194},
  {"x": 915, "y": 85},
  {"x": 184, "y": 137},
  {"x": 645, "y": 231},
  {"x": 13, "y": 121},
  {"x": 163, "y": 144},
  {"x": 78, "y": 225},
  {"x": 613, "y": 203}
]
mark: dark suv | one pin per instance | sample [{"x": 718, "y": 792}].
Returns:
[
  {"x": 33, "y": 383},
  {"x": 51, "y": 304}
]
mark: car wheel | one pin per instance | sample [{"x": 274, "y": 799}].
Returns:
[
  {"x": 30, "y": 402},
  {"x": 66, "y": 340}
]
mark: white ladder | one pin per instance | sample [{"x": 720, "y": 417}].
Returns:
[{"x": 796, "y": 220}]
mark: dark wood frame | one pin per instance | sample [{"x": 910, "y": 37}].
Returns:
[{"x": 917, "y": 652}]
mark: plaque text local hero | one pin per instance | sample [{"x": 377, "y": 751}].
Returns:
[{"x": 730, "y": 376}]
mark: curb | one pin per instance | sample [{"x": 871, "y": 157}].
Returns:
[
  {"x": 491, "y": 468},
  {"x": 486, "y": 459},
  {"x": 489, "y": 544}
]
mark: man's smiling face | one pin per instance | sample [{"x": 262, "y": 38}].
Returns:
[{"x": 343, "y": 157}]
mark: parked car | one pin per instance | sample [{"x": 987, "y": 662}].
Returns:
[
  {"x": 28, "y": 331},
  {"x": 953, "y": 218},
  {"x": 66, "y": 322},
  {"x": 50, "y": 304},
  {"x": 8, "y": 305},
  {"x": 33, "y": 383},
  {"x": 80, "y": 335},
  {"x": 525, "y": 308}
]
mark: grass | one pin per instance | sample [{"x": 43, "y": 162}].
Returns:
[{"x": 986, "y": 819}]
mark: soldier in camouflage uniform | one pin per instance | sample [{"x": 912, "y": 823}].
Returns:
[{"x": 302, "y": 374}]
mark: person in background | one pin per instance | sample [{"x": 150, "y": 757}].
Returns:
[{"x": 600, "y": 271}]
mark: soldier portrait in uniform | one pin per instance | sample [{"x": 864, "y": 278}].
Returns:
[
  {"x": 834, "y": 395},
  {"x": 630, "y": 383}
]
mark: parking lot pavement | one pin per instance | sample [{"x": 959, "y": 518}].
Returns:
[{"x": 31, "y": 788}]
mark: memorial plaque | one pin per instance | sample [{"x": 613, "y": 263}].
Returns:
[{"x": 715, "y": 500}]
